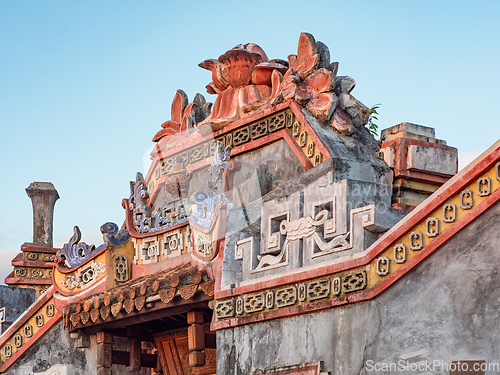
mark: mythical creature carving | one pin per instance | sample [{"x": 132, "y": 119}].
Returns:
[{"x": 299, "y": 229}]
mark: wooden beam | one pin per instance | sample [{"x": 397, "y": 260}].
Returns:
[
  {"x": 104, "y": 353},
  {"x": 121, "y": 357}
]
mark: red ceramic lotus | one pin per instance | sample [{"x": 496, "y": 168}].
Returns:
[{"x": 242, "y": 79}]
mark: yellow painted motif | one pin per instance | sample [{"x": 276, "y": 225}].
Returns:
[
  {"x": 23, "y": 335},
  {"x": 80, "y": 278}
]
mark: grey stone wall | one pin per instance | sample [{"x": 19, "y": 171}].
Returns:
[
  {"x": 446, "y": 309},
  {"x": 57, "y": 353},
  {"x": 14, "y": 301}
]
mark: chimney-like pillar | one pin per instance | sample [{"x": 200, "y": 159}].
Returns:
[
  {"x": 421, "y": 163},
  {"x": 43, "y": 196}
]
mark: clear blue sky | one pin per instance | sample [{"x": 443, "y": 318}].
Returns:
[{"x": 85, "y": 85}]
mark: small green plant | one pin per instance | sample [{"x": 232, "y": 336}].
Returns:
[{"x": 370, "y": 124}]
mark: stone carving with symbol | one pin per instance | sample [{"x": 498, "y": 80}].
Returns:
[
  {"x": 143, "y": 220},
  {"x": 178, "y": 180},
  {"x": 299, "y": 229}
]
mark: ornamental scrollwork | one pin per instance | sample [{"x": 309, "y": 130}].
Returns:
[
  {"x": 85, "y": 276},
  {"x": 75, "y": 252}
]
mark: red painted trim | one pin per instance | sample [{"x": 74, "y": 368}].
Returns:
[
  {"x": 423, "y": 254},
  {"x": 140, "y": 270},
  {"x": 19, "y": 261},
  {"x": 401, "y": 156},
  {"x": 417, "y": 142},
  {"x": 27, "y": 246},
  {"x": 25, "y": 281},
  {"x": 217, "y": 264},
  {"x": 403, "y": 207},
  {"x": 440, "y": 196},
  {"x": 20, "y": 351},
  {"x": 426, "y": 177}
]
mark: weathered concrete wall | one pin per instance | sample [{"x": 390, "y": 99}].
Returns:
[
  {"x": 57, "y": 353},
  {"x": 15, "y": 301},
  {"x": 444, "y": 310},
  {"x": 56, "y": 348}
]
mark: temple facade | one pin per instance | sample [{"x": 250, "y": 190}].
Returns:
[{"x": 272, "y": 234}]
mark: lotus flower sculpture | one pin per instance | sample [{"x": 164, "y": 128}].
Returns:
[
  {"x": 313, "y": 83},
  {"x": 184, "y": 115},
  {"x": 242, "y": 80}
]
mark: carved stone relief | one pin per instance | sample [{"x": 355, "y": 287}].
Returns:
[
  {"x": 431, "y": 227},
  {"x": 85, "y": 275},
  {"x": 286, "y": 296},
  {"x": 149, "y": 250},
  {"x": 291, "y": 295},
  {"x": 164, "y": 246},
  {"x": 383, "y": 266},
  {"x": 449, "y": 213},
  {"x": 173, "y": 244},
  {"x": 120, "y": 263},
  {"x": 484, "y": 186},
  {"x": 466, "y": 199},
  {"x": 320, "y": 222},
  {"x": 416, "y": 240},
  {"x": 399, "y": 253},
  {"x": 254, "y": 303}
]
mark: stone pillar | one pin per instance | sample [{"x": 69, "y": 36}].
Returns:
[
  {"x": 421, "y": 163},
  {"x": 104, "y": 353},
  {"x": 43, "y": 196}
]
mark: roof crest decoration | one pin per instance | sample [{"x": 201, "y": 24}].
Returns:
[
  {"x": 75, "y": 252},
  {"x": 246, "y": 82}
]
